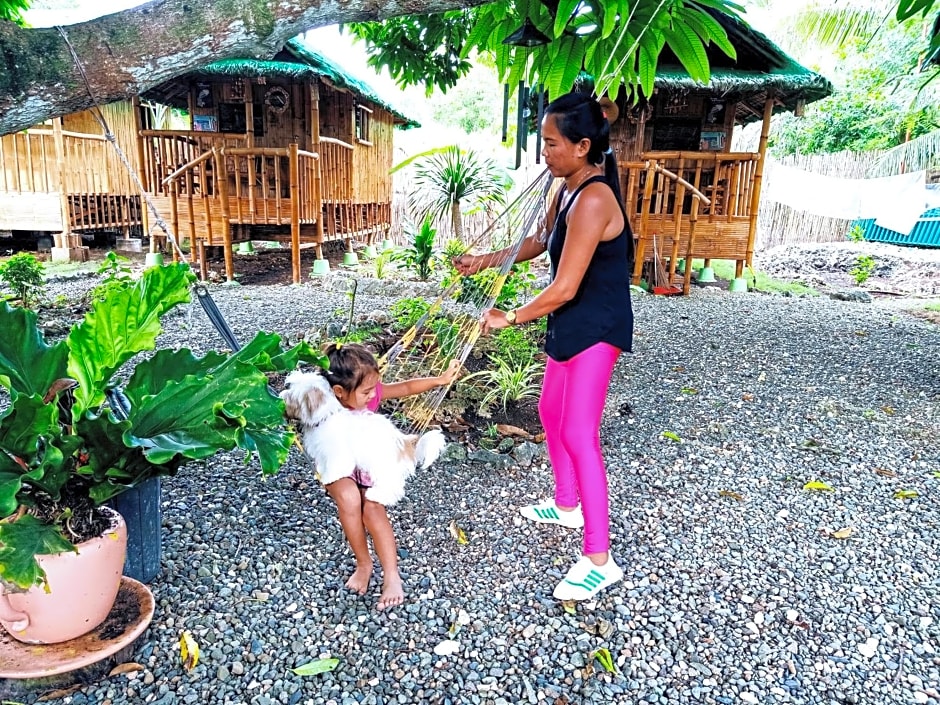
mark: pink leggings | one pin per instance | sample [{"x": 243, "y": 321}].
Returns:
[{"x": 571, "y": 407}]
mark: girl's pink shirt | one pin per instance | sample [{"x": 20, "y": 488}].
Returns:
[{"x": 377, "y": 399}]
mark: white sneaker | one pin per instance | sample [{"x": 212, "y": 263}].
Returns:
[
  {"x": 547, "y": 512},
  {"x": 584, "y": 580}
]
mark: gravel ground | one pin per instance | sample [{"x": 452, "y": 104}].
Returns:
[{"x": 735, "y": 591}]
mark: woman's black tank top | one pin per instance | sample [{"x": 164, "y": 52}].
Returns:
[{"x": 600, "y": 311}]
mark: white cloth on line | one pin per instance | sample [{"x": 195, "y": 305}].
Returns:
[{"x": 893, "y": 202}]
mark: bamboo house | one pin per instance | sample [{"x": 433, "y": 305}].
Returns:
[
  {"x": 688, "y": 196},
  {"x": 292, "y": 149}
]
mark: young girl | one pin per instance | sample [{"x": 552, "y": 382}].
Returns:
[{"x": 354, "y": 376}]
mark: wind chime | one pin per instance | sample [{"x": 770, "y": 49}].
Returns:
[{"x": 527, "y": 36}]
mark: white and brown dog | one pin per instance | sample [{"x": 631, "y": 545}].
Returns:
[{"x": 344, "y": 443}]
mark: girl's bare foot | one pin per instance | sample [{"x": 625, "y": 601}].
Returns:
[
  {"x": 393, "y": 593},
  {"x": 359, "y": 580}
]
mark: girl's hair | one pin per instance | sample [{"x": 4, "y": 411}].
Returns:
[
  {"x": 350, "y": 364},
  {"x": 578, "y": 117}
]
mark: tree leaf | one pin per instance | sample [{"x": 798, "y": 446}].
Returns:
[
  {"x": 842, "y": 533},
  {"x": 459, "y": 534},
  {"x": 689, "y": 390},
  {"x": 734, "y": 495},
  {"x": 906, "y": 494},
  {"x": 129, "y": 667},
  {"x": 690, "y": 51},
  {"x": 189, "y": 651},
  {"x": 569, "y": 606},
  {"x": 818, "y": 486},
  {"x": 672, "y": 436},
  {"x": 563, "y": 15},
  {"x": 322, "y": 665}
]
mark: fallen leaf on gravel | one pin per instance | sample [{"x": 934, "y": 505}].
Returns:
[
  {"x": 460, "y": 536},
  {"x": 672, "y": 436},
  {"x": 734, "y": 495},
  {"x": 885, "y": 473},
  {"x": 889, "y": 410},
  {"x": 56, "y": 694},
  {"x": 842, "y": 533},
  {"x": 448, "y": 647},
  {"x": 747, "y": 397},
  {"x": 321, "y": 665},
  {"x": 936, "y": 474},
  {"x": 862, "y": 333},
  {"x": 569, "y": 606},
  {"x": 129, "y": 667},
  {"x": 906, "y": 494},
  {"x": 189, "y": 651},
  {"x": 689, "y": 390},
  {"x": 678, "y": 368},
  {"x": 818, "y": 486},
  {"x": 508, "y": 430},
  {"x": 454, "y": 628}
]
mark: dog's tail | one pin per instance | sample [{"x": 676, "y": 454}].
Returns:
[{"x": 429, "y": 447}]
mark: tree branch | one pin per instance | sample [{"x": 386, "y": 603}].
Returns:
[{"x": 128, "y": 52}]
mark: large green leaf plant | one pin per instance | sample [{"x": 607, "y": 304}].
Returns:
[{"x": 88, "y": 417}]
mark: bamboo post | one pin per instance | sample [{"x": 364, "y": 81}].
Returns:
[
  {"x": 755, "y": 193},
  {"x": 677, "y": 209},
  {"x": 687, "y": 279},
  {"x": 295, "y": 212},
  {"x": 59, "y": 142},
  {"x": 644, "y": 221},
  {"x": 226, "y": 218}
]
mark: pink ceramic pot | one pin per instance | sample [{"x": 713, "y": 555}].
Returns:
[{"x": 83, "y": 587}]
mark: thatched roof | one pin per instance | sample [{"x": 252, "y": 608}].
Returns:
[
  {"x": 760, "y": 67},
  {"x": 295, "y": 62}
]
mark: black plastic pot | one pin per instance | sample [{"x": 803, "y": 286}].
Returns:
[{"x": 140, "y": 507}]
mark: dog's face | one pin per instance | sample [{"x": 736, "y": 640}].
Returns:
[{"x": 308, "y": 397}]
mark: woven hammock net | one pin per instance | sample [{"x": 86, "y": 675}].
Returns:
[{"x": 450, "y": 326}]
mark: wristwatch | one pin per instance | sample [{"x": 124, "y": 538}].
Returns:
[{"x": 511, "y": 317}]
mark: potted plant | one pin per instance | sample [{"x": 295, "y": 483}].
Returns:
[{"x": 88, "y": 417}]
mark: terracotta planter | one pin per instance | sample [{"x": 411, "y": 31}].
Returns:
[{"x": 83, "y": 587}]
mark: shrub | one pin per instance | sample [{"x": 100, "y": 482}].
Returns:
[
  {"x": 508, "y": 382},
  {"x": 23, "y": 274},
  {"x": 863, "y": 269}
]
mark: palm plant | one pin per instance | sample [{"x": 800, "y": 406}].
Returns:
[{"x": 454, "y": 178}]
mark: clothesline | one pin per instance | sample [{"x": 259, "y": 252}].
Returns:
[{"x": 893, "y": 202}]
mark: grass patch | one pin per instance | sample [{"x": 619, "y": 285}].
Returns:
[
  {"x": 724, "y": 269},
  {"x": 933, "y": 307}
]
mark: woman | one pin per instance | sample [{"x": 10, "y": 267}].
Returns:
[{"x": 590, "y": 322}]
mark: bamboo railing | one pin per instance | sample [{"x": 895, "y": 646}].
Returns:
[
  {"x": 238, "y": 186},
  {"x": 695, "y": 204}
]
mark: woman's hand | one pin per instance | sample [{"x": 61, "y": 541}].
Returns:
[
  {"x": 468, "y": 264},
  {"x": 448, "y": 375},
  {"x": 494, "y": 319}
]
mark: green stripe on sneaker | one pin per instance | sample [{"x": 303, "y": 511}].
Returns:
[
  {"x": 549, "y": 513},
  {"x": 591, "y": 581}
]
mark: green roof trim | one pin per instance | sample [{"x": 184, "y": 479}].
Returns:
[{"x": 310, "y": 64}]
